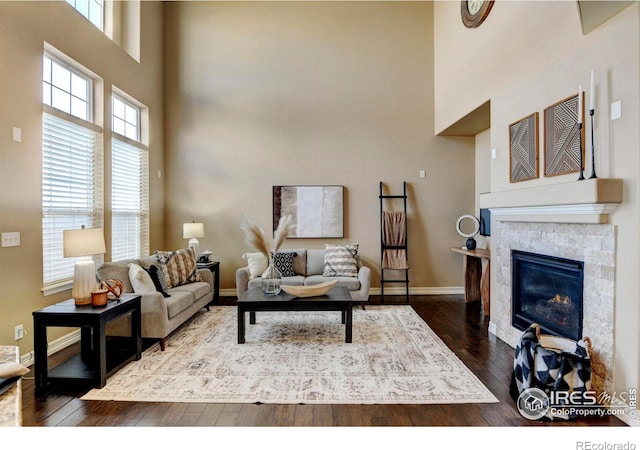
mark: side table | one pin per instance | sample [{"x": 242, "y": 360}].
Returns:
[
  {"x": 96, "y": 360},
  {"x": 476, "y": 278},
  {"x": 214, "y": 267}
]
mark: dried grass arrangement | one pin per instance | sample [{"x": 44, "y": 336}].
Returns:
[{"x": 254, "y": 236}]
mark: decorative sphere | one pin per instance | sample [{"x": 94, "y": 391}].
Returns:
[
  {"x": 115, "y": 287},
  {"x": 471, "y": 244}
]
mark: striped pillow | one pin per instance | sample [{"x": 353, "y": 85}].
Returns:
[
  {"x": 340, "y": 261},
  {"x": 179, "y": 267}
]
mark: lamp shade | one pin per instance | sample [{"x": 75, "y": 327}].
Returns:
[
  {"x": 192, "y": 230},
  {"x": 83, "y": 242}
]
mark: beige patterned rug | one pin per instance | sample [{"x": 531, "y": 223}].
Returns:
[{"x": 300, "y": 357}]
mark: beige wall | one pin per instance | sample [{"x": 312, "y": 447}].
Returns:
[
  {"x": 267, "y": 93},
  {"x": 527, "y": 56},
  {"x": 24, "y": 27}
]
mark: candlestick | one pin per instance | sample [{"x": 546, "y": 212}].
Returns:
[
  {"x": 593, "y": 151},
  {"x": 591, "y": 92},
  {"x": 581, "y": 176},
  {"x": 579, "y": 104}
]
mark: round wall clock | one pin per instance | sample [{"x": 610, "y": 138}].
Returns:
[{"x": 474, "y": 12}]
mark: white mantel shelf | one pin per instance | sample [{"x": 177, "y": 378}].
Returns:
[{"x": 586, "y": 201}]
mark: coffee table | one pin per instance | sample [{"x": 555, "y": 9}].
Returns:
[{"x": 254, "y": 299}]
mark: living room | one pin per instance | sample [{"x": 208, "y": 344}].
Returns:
[{"x": 358, "y": 92}]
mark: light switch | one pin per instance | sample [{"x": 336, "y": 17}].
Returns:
[
  {"x": 17, "y": 134},
  {"x": 493, "y": 153},
  {"x": 11, "y": 239},
  {"x": 423, "y": 173},
  {"x": 616, "y": 110}
]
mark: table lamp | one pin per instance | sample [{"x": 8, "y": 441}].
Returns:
[
  {"x": 84, "y": 242},
  {"x": 193, "y": 231}
]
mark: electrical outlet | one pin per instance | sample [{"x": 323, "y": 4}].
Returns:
[{"x": 18, "y": 332}]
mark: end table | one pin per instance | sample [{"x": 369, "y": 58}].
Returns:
[
  {"x": 96, "y": 360},
  {"x": 214, "y": 267}
]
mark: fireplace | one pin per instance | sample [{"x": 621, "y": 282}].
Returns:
[{"x": 547, "y": 290}]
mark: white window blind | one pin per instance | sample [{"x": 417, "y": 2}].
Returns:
[
  {"x": 129, "y": 201},
  {"x": 72, "y": 180}
]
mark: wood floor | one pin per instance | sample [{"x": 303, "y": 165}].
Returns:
[{"x": 461, "y": 326}]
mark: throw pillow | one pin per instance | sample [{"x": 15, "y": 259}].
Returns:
[
  {"x": 179, "y": 266},
  {"x": 284, "y": 263},
  {"x": 340, "y": 261},
  {"x": 257, "y": 263},
  {"x": 158, "y": 280},
  {"x": 140, "y": 279}
]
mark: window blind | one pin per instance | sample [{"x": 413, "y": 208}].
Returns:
[
  {"x": 129, "y": 201},
  {"x": 72, "y": 180}
]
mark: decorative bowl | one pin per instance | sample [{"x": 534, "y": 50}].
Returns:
[{"x": 314, "y": 290}]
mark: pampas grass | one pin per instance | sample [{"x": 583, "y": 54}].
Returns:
[{"x": 254, "y": 236}]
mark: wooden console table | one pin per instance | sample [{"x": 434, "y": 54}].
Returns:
[{"x": 476, "y": 278}]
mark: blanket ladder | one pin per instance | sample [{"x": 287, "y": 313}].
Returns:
[{"x": 387, "y": 246}]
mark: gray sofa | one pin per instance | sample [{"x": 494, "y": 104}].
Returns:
[
  {"x": 160, "y": 315},
  {"x": 308, "y": 265}
]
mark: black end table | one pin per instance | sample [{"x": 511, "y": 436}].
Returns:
[
  {"x": 214, "y": 267},
  {"x": 96, "y": 360}
]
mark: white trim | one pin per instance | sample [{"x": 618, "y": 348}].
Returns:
[
  {"x": 576, "y": 213},
  {"x": 447, "y": 290}
]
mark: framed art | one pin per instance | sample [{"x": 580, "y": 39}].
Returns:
[
  {"x": 316, "y": 211},
  {"x": 523, "y": 149},
  {"x": 562, "y": 151}
]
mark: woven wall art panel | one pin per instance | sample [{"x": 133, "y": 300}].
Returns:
[
  {"x": 523, "y": 149},
  {"x": 561, "y": 138}
]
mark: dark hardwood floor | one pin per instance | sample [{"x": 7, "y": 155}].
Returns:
[{"x": 461, "y": 326}]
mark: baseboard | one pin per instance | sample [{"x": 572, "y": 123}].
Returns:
[{"x": 446, "y": 290}]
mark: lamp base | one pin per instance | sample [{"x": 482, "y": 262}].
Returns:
[
  {"x": 84, "y": 281},
  {"x": 195, "y": 245}
]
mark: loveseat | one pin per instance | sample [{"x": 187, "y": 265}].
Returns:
[
  {"x": 309, "y": 267},
  {"x": 185, "y": 294}
]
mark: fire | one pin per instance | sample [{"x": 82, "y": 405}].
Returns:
[{"x": 560, "y": 299}]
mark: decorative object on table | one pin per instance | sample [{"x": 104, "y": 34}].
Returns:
[
  {"x": 85, "y": 243},
  {"x": 193, "y": 231},
  {"x": 205, "y": 256},
  {"x": 99, "y": 298},
  {"x": 463, "y": 229},
  {"x": 523, "y": 149},
  {"x": 316, "y": 211},
  {"x": 474, "y": 12},
  {"x": 315, "y": 290},
  {"x": 114, "y": 287},
  {"x": 254, "y": 235},
  {"x": 591, "y": 113},
  {"x": 563, "y": 132}
]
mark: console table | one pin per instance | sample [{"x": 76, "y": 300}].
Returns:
[
  {"x": 96, "y": 360},
  {"x": 476, "y": 278}
]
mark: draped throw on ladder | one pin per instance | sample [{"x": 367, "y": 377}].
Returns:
[{"x": 394, "y": 233}]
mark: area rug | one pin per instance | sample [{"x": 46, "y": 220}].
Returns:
[{"x": 300, "y": 357}]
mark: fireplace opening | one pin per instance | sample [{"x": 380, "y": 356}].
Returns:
[{"x": 547, "y": 290}]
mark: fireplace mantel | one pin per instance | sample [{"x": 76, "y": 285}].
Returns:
[{"x": 586, "y": 201}]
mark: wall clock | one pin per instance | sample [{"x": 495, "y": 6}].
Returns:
[{"x": 474, "y": 12}]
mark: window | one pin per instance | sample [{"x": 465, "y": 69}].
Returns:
[
  {"x": 91, "y": 9},
  {"x": 129, "y": 183},
  {"x": 72, "y": 166}
]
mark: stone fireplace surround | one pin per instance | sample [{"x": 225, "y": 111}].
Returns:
[{"x": 569, "y": 221}]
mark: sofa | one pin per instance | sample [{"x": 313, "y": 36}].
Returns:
[
  {"x": 309, "y": 268},
  {"x": 161, "y": 314}
]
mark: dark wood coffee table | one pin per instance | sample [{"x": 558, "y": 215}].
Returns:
[{"x": 253, "y": 300}]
